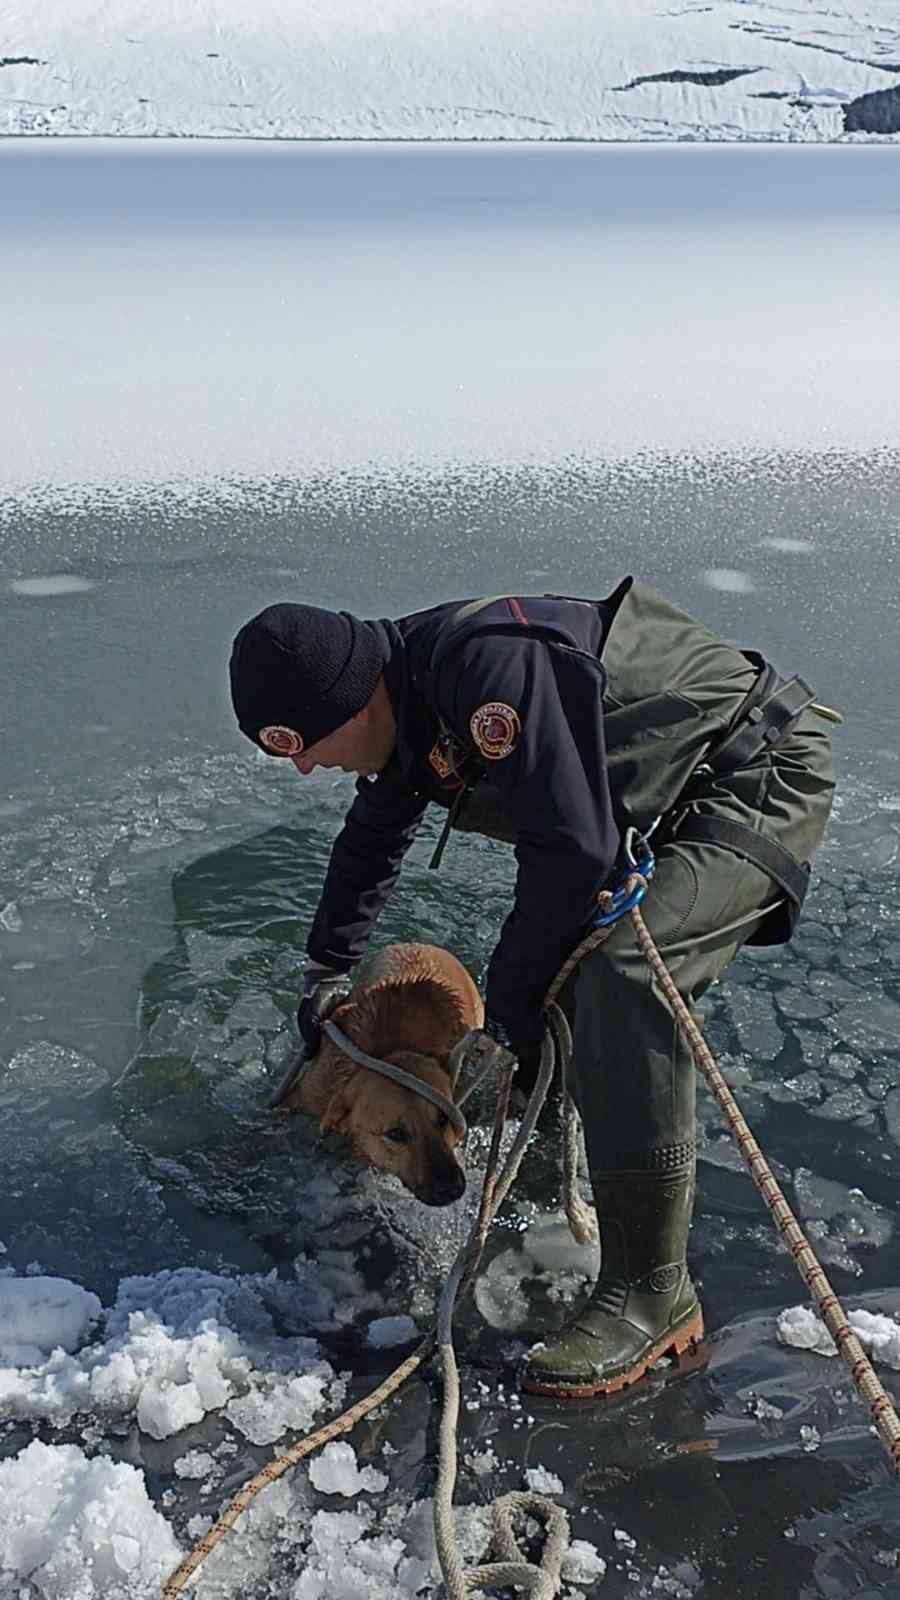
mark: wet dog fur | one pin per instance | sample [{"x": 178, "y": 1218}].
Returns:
[{"x": 411, "y": 1005}]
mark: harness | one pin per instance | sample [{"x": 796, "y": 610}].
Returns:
[{"x": 767, "y": 714}]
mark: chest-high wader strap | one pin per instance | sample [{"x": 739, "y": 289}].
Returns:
[
  {"x": 772, "y": 858},
  {"x": 766, "y": 715}
]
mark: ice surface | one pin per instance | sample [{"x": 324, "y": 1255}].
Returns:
[
  {"x": 387, "y": 1331},
  {"x": 76, "y": 1529},
  {"x": 296, "y": 427},
  {"x": 39, "y": 1315},
  {"x": 499, "y": 1292},
  {"x": 878, "y": 1335},
  {"x": 870, "y": 1025},
  {"x": 753, "y": 1019},
  {"x": 551, "y": 1247}
]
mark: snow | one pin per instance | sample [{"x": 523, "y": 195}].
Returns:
[
  {"x": 449, "y": 69},
  {"x": 39, "y": 1315},
  {"x": 79, "y": 1529},
  {"x": 878, "y": 1335}
]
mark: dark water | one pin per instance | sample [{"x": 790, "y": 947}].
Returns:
[{"x": 156, "y": 881}]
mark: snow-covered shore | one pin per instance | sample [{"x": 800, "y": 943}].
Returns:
[{"x": 452, "y": 69}]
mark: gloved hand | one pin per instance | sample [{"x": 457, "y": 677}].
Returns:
[
  {"x": 525, "y": 1044},
  {"x": 322, "y": 988}
]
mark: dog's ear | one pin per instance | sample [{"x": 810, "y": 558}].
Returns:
[{"x": 337, "y": 1110}]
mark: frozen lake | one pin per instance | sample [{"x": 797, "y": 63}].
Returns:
[{"x": 376, "y": 378}]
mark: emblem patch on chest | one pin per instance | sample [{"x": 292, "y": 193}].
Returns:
[
  {"x": 495, "y": 729},
  {"x": 441, "y": 758}
]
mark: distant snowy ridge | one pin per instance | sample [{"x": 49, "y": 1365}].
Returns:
[{"x": 452, "y": 69}]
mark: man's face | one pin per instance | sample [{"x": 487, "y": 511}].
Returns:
[{"x": 363, "y": 745}]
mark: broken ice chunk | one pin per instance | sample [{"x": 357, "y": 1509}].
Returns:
[
  {"x": 879, "y": 1335},
  {"x": 335, "y": 1472},
  {"x": 540, "y": 1481}
]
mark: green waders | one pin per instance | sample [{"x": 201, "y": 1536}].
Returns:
[
  {"x": 633, "y": 1074},
  {"x": 673, "y": 692}
]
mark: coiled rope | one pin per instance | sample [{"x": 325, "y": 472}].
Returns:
[{"x": 514, "y": 1569}]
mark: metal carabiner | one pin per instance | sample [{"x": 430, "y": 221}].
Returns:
[{"x": 639, "y": 857}]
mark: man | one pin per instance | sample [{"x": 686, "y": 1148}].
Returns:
[{"x": 556, "y": 724}]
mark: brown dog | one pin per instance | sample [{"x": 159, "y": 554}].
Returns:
[{"x": 411, "y": 1004}]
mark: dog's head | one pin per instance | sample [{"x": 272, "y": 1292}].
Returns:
[{"x": 396, "y": 1130}]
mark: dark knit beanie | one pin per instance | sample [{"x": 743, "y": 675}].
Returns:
[{"x": 300, "y": 671}]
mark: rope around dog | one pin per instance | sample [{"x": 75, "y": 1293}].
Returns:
[
  {"x": 543, "y": 1581},
  {"x": 514, "y": 1569}
]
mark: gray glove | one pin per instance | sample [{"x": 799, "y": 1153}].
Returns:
[{"x": 323, "y": 989}]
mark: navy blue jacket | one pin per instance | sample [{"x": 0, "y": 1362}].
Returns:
[{"x": 546, "y": 765}]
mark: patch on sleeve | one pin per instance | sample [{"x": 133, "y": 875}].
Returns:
[{"x": 495, "y": 729}]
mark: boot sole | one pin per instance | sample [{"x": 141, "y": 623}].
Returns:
[{"x": 684, "y": 1344}]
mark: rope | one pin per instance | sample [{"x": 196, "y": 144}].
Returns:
[
  {"x": 514, "y": 1569},
  {"x": 870, "y": 1391},
  {"x": 494, "y": 1191},
  {"x": 865, "y": 1380},
  {"x": 406, "y": 1080}
]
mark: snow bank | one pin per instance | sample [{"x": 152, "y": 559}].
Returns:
[
  {"x": 878, "y": 1335},
  {"x": 80, "y": 1529},
  {"x": 451, "y": 69}
]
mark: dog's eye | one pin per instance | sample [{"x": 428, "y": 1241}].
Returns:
[
  {"x": 443, "y": 1121},
  {"x": 398, "y": 1134}
]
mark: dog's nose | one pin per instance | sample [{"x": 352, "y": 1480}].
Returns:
[{"x": 451, "y": 1186}]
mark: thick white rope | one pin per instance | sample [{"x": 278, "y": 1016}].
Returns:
[
  {"x": 513, "y": 1568},
  {"x": 543, "y": 1581}
]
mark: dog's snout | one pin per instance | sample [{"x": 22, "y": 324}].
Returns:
[{"x": 443, "y": 1190}]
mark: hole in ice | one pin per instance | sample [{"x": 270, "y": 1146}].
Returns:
[
  {"x": 57, "y": 583},
  {"x": 729, "y": 580},
  {"x": 789, "y": 546}
]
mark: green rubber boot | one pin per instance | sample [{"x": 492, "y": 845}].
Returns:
[{"x": 643, "y": 1305}]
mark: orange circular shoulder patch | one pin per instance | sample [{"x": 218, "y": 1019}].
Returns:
[
  {"x": 496, "y": 729},
  {"x": 281, "y": 741}
]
